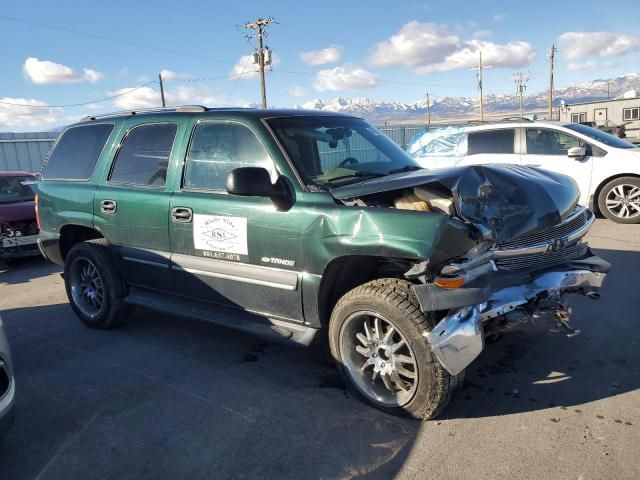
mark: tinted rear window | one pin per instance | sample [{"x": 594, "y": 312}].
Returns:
[
  {"x": 76, "y": 153},
  {"x": 144, "y": 156},
  {"x": 494, "y": 141}
]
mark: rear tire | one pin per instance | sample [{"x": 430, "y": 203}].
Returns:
[
  {"x": 402, "y": 376},
  {"x": 95, "y": 288},
  {"x": 619, "y": 200}
]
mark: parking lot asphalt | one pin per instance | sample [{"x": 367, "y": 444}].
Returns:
[{"x": 165, "y": 397}]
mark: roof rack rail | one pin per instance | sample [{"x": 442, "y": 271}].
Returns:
[{"x": 179, "y": 109}]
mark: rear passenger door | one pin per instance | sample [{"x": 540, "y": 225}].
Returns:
[
  {"x": 234, "y": 251},
  {"x": 491, "y": 146},
  {"x": 131, "y": 205}
]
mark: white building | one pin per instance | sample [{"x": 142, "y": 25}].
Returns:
[{"x": 606, "y": 113}]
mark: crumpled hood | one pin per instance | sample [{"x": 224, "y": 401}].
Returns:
[
  {"x": 503, "y": 201},
  {"x": 15, "y": 212}
]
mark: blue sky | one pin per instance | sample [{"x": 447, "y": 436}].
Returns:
[{"x": 394, "y": 51}]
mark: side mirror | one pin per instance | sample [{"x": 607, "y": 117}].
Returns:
[
  {"x": 577, "y": 152},
  {"x": 256, "y": 182}
]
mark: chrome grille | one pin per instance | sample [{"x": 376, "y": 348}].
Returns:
[
  {"x": 542, "y": 260},
  {"x": 575, "y": 221}
]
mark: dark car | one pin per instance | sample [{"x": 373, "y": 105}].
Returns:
[
  {"x": 18, "y": 227},
  {"x": 296, "y": 223}
]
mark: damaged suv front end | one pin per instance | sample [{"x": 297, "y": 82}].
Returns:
[
  {"x": 528, "y": 254},
  {"x": 520, "y": 285}
]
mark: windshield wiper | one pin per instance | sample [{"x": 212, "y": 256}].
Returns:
[
  {"x": 406, "y": 168},
  {"x": 357, "y": 175}
]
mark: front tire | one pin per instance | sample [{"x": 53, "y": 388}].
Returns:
[
  {"x": 619, "y": 200},
  {"x": 94, "y": 287},
  {"x": 376, "y": 338}
]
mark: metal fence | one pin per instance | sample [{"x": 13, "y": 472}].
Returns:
[
  {"x": 24, "y": 151},
  {"x": 401, "y": 134},
  {"x": 27, "y": 151}
]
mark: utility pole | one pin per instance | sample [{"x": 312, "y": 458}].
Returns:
[
  {"x": 428, "y": 111},
  {"x": 161, "y": 90},
  {"x": 260, "y": 27},
  {"x": 521, "y": 80},
  {"x": 479, "y": 68},
  {"x": 608, "y": 91},
  {"x": 551, "y": 55}
]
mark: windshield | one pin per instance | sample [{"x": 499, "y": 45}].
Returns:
[
  {"x": 600, "y": 136},
  {"x": 17, "y": 189},
  {"x": 334, "y": 151}
]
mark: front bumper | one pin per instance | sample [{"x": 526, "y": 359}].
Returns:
[
  {"x": 18, "y": 247},
  {"x": 459, "y": 337}
]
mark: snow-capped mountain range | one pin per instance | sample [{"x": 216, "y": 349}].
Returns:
[{"x": 456, "y": 107}]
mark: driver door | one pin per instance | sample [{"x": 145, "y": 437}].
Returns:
[
  {"x": 237, "y": 252},
  {"x": 547, "y": 148}
]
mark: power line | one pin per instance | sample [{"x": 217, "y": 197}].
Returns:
[
  {"x": 83, "y": 103},
  {"x": 521, "y": 80},
  {"x": 112, "y": 39},
  {"x": 551, "y": 66},
  {"x": 260, "y": 26},
  {"x": 480, "y": 86}
]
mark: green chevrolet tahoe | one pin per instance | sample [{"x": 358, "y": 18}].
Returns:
[{"x": 301, "y": 224}]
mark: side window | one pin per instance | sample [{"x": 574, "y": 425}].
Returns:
[
  {"x": 76, "y": 153},
  {"x": 631, "y": 114},
  {"x": 550, "y": 142},
  {"x": 493, "y": 141},
  {"x": 218, "y": 148},
  {"x": 144, "y": 155},
  {"x": 579, "y": 117}
]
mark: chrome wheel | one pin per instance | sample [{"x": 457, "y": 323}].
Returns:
[
  {"x": 623, "y": 201},
  {"x": 378, "y": 359},
  {"x": 87, "y": 287}
]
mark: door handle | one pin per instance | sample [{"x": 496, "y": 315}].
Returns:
[
  {"x": 181, "y": 214},
  {"x": 108, "y": 206}
]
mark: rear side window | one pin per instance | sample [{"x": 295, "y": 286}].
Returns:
[
  {"x": 76, "y": 153},
  {"x": 494, "y": 141},
  {"x": 144, "y": 155}
]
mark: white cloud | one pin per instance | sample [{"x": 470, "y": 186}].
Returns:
[
  {"x": 92, "y": 76},
  {"x": 347, "y": 77},
  {"x": 245, "y": 69},
  {"x": 589, "y": 65},
  {"x": 498, "y": 17},
  {"x": 429, "y": 47},
  {"x": 34, "y": 115},
  {"x": 575, "y": 45},
  {"x": 298, "y": 91},
  {"x": 45, "y": 71},
  {"x": 331, "y": 54},
  {"x": 147, "y": 97},
  {"x": 171, "y": 75}
]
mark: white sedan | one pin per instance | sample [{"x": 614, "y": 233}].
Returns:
[{"x": 606, "y": 168}]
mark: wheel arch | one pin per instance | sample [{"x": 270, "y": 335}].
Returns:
[
  {"x": 347, "y": 272},
  {"x": 71, "y": 234}
]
